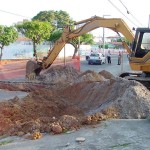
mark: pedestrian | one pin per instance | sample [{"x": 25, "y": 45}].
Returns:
[
  {"x": 109, "y": 57},
  {"x": 119, "y": 58}
]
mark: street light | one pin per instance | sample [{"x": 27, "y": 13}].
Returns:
[
  {"x": 104, "y": 36},
  {"x": 149, "y": 22}
]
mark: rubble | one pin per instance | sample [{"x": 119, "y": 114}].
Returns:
[{"x": 73, "y": 99}]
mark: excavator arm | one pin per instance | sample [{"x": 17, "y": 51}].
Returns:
[
  {"x": 85, "y": 26},
  {"x": 117, "y": 25}
]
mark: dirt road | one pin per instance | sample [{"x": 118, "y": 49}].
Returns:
[{"x": 12, "y": 70}]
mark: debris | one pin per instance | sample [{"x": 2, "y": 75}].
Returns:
[
  {"x": 67, "y": 144},
  {"x": 80, "y": 139}
]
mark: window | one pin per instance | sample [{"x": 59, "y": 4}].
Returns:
[
  {"x": 146, "y": 41},
  {"x": 95, "y": 55}
]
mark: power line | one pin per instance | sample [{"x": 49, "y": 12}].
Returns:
[
  {"x": 123, "y": 13},
  {"x": 14, "y": 14},
  {"x": 128, "y": 12}
]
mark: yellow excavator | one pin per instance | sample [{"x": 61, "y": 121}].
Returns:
[{"x": 139, "y": 51}]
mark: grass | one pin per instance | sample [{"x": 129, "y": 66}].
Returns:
[
  {"x": 148, "y": 118},
  {"x": 5, "y": 142},
  {"x": 3, "y": 136},
  {"x": 120, "y": 145}
]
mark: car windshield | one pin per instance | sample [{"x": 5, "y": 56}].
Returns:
[{"x": 95, "y": 55}]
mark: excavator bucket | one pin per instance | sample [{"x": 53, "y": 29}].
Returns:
[{"x": 33, "y": 69}]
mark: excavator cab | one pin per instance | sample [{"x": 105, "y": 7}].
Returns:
[{"x": 141, "y": 44}]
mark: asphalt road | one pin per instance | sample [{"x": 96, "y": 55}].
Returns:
[{"x": 112, "y": 68}]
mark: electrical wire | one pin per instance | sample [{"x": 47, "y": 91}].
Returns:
[
  {"x": 123, "y": 14},
  {"x": 14, "y": 14},
  {"x": 129, "y": 12}
]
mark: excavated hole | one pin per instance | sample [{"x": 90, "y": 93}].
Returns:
[{"x": 70, "y": 99}]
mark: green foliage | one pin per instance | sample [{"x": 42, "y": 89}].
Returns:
[
  {"x": 5, "y": 142},
  {"x": 148, "y": 117},
  {"x": 120, "y": 145},
  {"x": 55, "y": 35},
  {"x": 58, "y": 19},
  {"x": 119, "y": 40},
  {"x": 106, "y": 46},
  {"x": 37, "y": 31},
  {"x": 123, "y": 39},
  {"x": 116, "y": 47},
  {"x": 86, "y": 39},
  {"x": 7, "y": 35}
]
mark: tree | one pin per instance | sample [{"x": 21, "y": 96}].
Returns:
[
  {"x": 124, "y": 39},
  {"x": 37, "y": 31},
  {"x": 58, "y": 19},
  {"x": 7, "y": 35},
  {"x": 54, "y": 36},
  {"x": 86, "y": 38}
]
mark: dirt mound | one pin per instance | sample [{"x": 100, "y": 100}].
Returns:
[
  {"x": 78, "y": 98},
  {"x": 130, "y": 99},
  {"x": 106, "y": 74},
  {"x": 59, "y": 74}
]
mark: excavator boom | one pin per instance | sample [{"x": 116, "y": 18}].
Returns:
[{"x": 117, "y": 25}]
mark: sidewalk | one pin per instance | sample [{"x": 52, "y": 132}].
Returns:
[{"x": 108, "y": 135}]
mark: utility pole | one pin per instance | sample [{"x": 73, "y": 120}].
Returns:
[{"x": 104, "y": 36}]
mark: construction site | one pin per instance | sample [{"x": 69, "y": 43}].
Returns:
[
  {"x": 62, "y": 98},
  {"x": 65, "y": 99}
]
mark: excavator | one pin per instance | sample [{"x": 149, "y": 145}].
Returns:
[{"x": 138, "y": 51}]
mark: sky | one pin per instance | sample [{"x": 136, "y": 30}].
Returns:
[{"x": 78, "y": 10}]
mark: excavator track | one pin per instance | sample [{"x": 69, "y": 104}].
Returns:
[
  {"x": 137, "y": 77},
  {"x": 143, "y": 80}
]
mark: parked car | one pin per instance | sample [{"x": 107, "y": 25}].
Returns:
[{"x": 96, "y": 58}]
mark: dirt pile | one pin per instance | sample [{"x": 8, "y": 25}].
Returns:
[{"x": 73, "y": 99}]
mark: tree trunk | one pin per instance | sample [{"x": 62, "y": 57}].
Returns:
[
  {"x": 34, "y": 50},
  {"x": 75, "y": 52},
  {"x": 1, "y": 54}
]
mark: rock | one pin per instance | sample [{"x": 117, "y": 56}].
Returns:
[
  {"x": 56, "y": 129},
  {"x": 80, "y": 139}
]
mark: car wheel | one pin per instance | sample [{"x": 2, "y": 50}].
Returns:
[
  {"x": 100, "y": 63},
  {"x": 87, "y": 57},
  {"x": 89, "y": 62}
]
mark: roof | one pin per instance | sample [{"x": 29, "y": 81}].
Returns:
[
  {"x": 116, "y": 43},
  {"x": 23, "y": 39}
]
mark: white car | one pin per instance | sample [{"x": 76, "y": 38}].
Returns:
[{"x": 96, "y": 58}]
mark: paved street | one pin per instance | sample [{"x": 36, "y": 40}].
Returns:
[
  {"x": 17, "y": 69},
  {"x": 112, "y": 68},
  {"x": 108, "y": 135}
]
